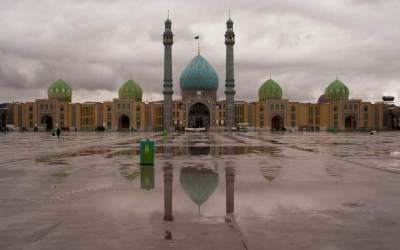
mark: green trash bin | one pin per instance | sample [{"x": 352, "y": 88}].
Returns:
[{"x": 147, "y": 152}]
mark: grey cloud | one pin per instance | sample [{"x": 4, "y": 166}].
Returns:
[{"x": 97, "y": 45}]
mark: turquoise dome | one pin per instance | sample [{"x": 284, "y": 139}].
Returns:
[
  {"x": 270, "y": 90},
  {"x": 337, "y": 91},
  {"x": 199, "y": 75},
  {"x": 60, "y": 90},
  {"x": 130, "y": 90}
]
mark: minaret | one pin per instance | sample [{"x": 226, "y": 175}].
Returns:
[
  {"x": 168, "y": 40},
  {"x": 230, "y": 78}
]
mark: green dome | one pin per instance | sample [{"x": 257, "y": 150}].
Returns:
[
  {"x": 270, "y": 90},
  {"x": 60, "y": 90},
  {"x": 130, "y": 90},
  {"x": 199, "y": 75},
  {"x": 337, "y": 91}
]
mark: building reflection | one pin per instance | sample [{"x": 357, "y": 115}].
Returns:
[
  {"x": 199, "y": 183},
  {"x": 147, "y": 177},
  {"x": 230, "y": 187},
  {"x": 168, "y": 181}
]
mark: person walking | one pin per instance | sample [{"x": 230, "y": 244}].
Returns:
[{"x": 58, "y": 133}]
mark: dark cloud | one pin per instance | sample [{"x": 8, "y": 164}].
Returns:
[{"x": 97, "y": 45}]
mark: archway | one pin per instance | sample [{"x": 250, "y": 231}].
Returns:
[
  {"x": 48, "y": 121},
  {"x": 199, "y": 116},
  {"x": 277, "y": 123},
  {"x": 124, "y": 123},
  {"x": 350, "y": 123}
]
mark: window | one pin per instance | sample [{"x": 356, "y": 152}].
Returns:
[
  {"x": 282, "y": 107},
  {"x": 335, "y": 108},
  {"x": 293, "y": 108},
  {"x": 355, "y": 106},
  {"x": 62, "y": 109},
  {"x": 366, "y": 109}
]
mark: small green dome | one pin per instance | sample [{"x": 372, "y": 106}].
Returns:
[
  {"x": 60, "y": 90},
  {"x": 270, "y": 90},
  {"x": 199, "y": 75},
  {"x": 130, "y": 90},
  {"x": 337, "y": 91}
]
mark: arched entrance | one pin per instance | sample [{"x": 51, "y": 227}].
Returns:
[
  {"x": 47, "y": 121},
  {"x": 199, "y": 116},
  {"x": 350, "y": 123},
  {"x": 277, "y": 123},
  {"x": 124, "y": 123}
]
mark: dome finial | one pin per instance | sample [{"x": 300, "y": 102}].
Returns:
[
  {"x": 229, "y": 15},
  {"x": 168, "y": 15}
]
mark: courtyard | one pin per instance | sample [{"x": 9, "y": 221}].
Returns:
[{"x": 211, "y": 190}]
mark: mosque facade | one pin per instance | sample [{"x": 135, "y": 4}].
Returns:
[{"x": 198, "y": 108}]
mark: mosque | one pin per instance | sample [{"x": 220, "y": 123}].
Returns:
[{"x": 198, "y": 108}]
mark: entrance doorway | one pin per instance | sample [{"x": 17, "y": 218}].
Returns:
[
  {"x": 124, "y": 123},
  {"x": 350, "y": 123},
  {"x": 199, "y": 116},
  {"x": 277, "y": 123},
  {"x": 47, "y": 121}
]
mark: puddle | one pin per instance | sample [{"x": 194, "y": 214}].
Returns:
[{"x": 202, "y": 150}]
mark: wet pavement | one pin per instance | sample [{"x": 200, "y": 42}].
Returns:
[{"x": 210, "y": 190}]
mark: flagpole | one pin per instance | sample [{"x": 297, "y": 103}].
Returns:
[{"x": 198, "y": 45}]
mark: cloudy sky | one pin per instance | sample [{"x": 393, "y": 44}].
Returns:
[{"x": 95, "y": 45}]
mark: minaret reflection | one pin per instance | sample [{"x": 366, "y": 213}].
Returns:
[
  {"x": 168, "y": 180},
  {"x": 230, "y": 187}
]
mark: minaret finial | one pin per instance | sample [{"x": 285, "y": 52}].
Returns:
[
  {"x": 270, "y": 75},
  {"x": 229, "y": 13},
  {"x": 168, "y": 14},
  {"x": 130, "y": 76},
  {"x": 337, "y": 77},
  {"x": 197, "y": 37}
]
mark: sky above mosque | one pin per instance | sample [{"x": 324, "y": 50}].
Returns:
[{"x": 97, "y": 45}]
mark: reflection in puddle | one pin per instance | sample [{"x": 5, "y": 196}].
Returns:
[
  {"x": 270, "y": 172},
  {"x": 202, "y": 150},
  {"x": 147, "y": 177},
  {"x": 353, "y": 204},
  {"x": 334, "y": 171},
  {"x": 128, "y": 173},
  {"x": 198, "y": 183}
]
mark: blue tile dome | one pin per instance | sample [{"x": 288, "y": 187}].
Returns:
[{"x": 199, "y": 75}]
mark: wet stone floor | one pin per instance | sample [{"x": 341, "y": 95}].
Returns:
[{"x": 209, "y": 190}]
